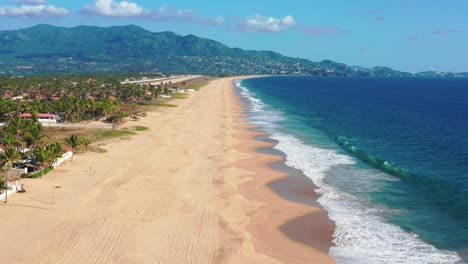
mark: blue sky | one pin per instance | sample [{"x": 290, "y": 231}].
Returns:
[{"x": 410, "y": 35}]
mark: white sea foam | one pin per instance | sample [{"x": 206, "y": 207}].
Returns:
[
  {"x": 256, "y": 105},
  {"x": 361, "y": 235}
]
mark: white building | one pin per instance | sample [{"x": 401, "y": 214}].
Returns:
[{"x": 43, "y": 118}]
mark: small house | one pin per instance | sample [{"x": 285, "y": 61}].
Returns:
[{"x": 42, "y": 118}]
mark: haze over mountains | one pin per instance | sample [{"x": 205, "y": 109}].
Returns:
[{"x": 50, "y": 49}]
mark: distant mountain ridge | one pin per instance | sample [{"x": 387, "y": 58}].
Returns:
[{"x": 50, "y": 49}]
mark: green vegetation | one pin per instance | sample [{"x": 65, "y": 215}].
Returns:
[
  {"x": 159, "y": 103},
  {"x": 28, "y": 51},
  {"x": 179, "y": 96},
  {"x": 118, "y": 117},
  {"x": 141, "y": 128},
  {"x": 73, "y": 141},
  {"x": 26, "y": 142},
  {"x": 94, "y": 135},
  {"x": 73, "y": 98},
  {"x": 40, "y": 174},
  {"x": 198, "y": 86},
  {"x": 164, "y": 104},
  {"x": 76, "y": 98},
  {"x": 146, "y": 103},
  {"x": 71, "y": 109},
  {"x": 47, "y": 155},
  {"x": 24, "y": 139},
  {"x": 7, "y": 158},
  {"x": 107, "y": 134},
  {"x": 85, "y": 143}
]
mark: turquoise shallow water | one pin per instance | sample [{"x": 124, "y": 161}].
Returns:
[{"x": 390, "y": 158}]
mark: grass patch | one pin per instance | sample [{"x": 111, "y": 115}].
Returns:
[
  {"x": 179, "y": 96},
  {"x": 41, "y": 173},
  {"x": 141, "y": 128},
  {"x": 59, "y": 135},
  {"x": 145, "y": 103},
  {"x": 106, "y": 134},
  {"x": 198, "y": 86},
  {"x": 164, "y": 104}
]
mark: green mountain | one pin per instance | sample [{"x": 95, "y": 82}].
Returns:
[{"x": 46, "y": 48}]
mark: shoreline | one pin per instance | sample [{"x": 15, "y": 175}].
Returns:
[
  {"x": 181, "y": 192},
  {"x": 365, "y": 230},
  {"x": 300, "y": 229}
]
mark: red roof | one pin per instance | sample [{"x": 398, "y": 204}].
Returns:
[
  {"x": 39, "y": 115},
  {"x": 66, "y": 148}
]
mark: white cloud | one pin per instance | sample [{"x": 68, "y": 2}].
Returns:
[
  {"x": 260, "y": 23},
  {"x": 33, "y": 11},
  {"x": 30, "y": 2},
  {"x": 288, "y": 21},
  {"x": 113, "y": 9}
]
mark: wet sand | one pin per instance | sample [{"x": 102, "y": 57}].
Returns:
[{"x": 290, "y": 215}]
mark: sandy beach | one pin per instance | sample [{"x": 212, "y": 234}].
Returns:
[{"x": 192, "y": 189}]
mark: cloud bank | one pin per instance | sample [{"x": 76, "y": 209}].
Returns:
[
  {"x": 260, "y": 23},
  {"x": 33, "y": 11},
  {"x": 111, "y": 8},
  {"x": 30, "y": 2}
]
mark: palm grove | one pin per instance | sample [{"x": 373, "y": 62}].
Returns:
[
  {"x": 74, "y": 98},
  {"x": 23, "y": 141}
]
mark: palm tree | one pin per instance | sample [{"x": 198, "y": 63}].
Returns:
[
  {"x": 9, "y": 156},
  {"x": 120, "y": 116},
  {"x": 35, "y": 117},
  {"x": 35, "y": 135},
  {"x": 44, "y": 156},
  {"x": 85, "y": 142},
  {"x": 56, "y": 150},
  {"x": 18, "y": 126},
  {"x": 9, "y": 139},
  {"x": 73, "y": 141},
  {"x": 66, "y": 108}
]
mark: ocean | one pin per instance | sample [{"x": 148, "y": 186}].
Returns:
[{"x": 389, "y": 158}]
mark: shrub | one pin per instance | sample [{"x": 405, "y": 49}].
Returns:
[
  {"x": 41, "y": 173},
  {"x": 141, "y": 128}
]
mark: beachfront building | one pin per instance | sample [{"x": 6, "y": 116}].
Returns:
[
  {"x": 43, "y": 118},
  {"x": 17, "y": 98}
]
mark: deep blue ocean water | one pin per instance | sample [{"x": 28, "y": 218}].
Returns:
[{"x": 389, "y": 156}]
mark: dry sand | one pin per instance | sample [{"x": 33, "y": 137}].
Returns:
[{"x": 190, "y": 190}]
